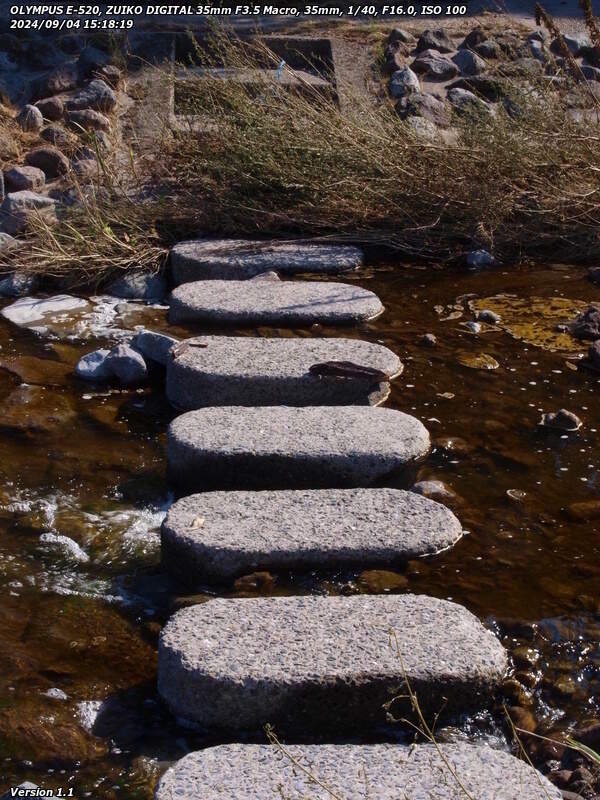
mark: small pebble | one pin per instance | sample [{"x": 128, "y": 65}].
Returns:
[{"x": 428, "y": 340}]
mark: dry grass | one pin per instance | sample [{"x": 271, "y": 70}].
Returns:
[{"x": 524, "y": 184}]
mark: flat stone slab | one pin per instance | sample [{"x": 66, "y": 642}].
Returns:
[
  {"x": 309, "y": 663},
  {"x": 239, "y": 259},
  {"x": 220, "y": 535},
  {"x": 263, "y": 772},
  {"x": 283, "y": 447},
  {"x": 249, "y": 371},
  {"x": 271, "y": 303}
]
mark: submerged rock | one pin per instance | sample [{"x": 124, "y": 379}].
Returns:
[
  {"x": 587, "y": 324},
  {"x": 480, "y": 258},
  {"x": 561, "y": 420},
  {"x": 485, "y": 315},
  {"x": 35, "y": 409},
  {"x": 68, "y": 546}
]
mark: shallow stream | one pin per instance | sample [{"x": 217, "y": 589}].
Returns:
[{"x": 80, "y": 616}]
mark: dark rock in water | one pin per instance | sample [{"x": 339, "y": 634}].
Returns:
[
  {"x": 255, "y": 581},
  {"x": 488, "y": 316},
  {"x": 433, "y": 490},
  {"x": 435, "y": 40},
  {"x": 155, "y": 346},
  {"x": 52, "y": 108},
  {"x": 589, "y": 735},
  {"x": 475, "y": 37},
  {"x": 480, "y": 258},
  {"x": 585, "y": 511},
  {"x": 435, "y": 66},
  {"x": 139, "y": 286},
  {"x": 428, "y": 340},
  {"x": 522, "y": 718},
  {"x": 50, "y": 160},
  {"x": 594, "y": 354},
  {"x": 426, "y": 106},
  {"x": 35, "y": 409},
  {"x": 587, "y": 324},
  {"x": 561, "y": 420},
  {"x": 381, "y": 581},
  {"x": 271, "y": 275}
]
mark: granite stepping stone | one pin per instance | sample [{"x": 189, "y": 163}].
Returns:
[
  {"x": 272, "y": 303},
  {"x": 278, "y": 447},
  {"x": 391, "y": 771},
  {"x": 318, "y": 662},
  {"x": 216, "y": 536},
  {"x": 239, "y": 259},
  {"x": 249, "y": 371}
]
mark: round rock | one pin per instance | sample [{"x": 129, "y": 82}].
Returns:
[
  {"x": 282, "y": 447},
  {"x": 229, "y": 371},
  {"x": 238, "y": 259},
  {"x": 220, "y": 535},
  {"x": 267, "y": 303},
  {"x": 263, "y": 772},
  {"x": 310, "y": 663}
]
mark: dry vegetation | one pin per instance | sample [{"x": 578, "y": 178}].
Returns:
[{"x": 523, "y": 182}]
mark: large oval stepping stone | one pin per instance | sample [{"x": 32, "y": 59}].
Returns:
[
  {"x": 246, "y": 371},
  {"x": 240, "y": 259},
  {"x": 309, "y": 663},
  {"x": 272, "y": 303},
  {"x": 220, "y": 535},
  {"x": 392, "y": 772},
  {"x": 282, "y": 447}
]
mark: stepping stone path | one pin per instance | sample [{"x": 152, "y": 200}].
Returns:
[
  {"x": 264, "y": 772},
  {"x": 271, "y": 303},
  {"x": 310, "y": 663},
  {"x": 281, "y": 447},
  {"x": 227, "y": 370},
  {"x": 220, "y": 535},
  {"x": 290, "y": 416},
  {"x": 238, "y": 259}
]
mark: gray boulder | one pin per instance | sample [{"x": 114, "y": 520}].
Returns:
[
  {"x": 472, "y": 39},
  {"x": 52, "y": 108},
  {"x": 435, "y": 40},
  {"x": 139, "y": 286},
  {"x": 18, "y": 208},
  {"x": 31, "y": 119},
  {"x": 403, "y": 81},
  {"x": 465, "y": 101},
  {"x": 18, "y": 179},
  {"x": 489, "y": 49},
  {"x": 89, "y": 120},
  {"x": 50, "y": 160},
  {"x": 155, "y": 346},
  {"x": 574, "y": 41},
  {"x": 435, "y": 66},
  {"x": 93, "y": 366},
  {"x": 538, "y": 51},
  {"x": 97, "y": 95},
  {"x": 18, "y": 284},
  {"x": 469, "y": 63},
  {"x": 426, "y": 106},
  {"x": 61, "y": 79},
  {"x": 127, "y": 364},
  {"x": 398, "y": 35}
]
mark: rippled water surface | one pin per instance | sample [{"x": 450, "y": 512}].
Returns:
[{"x": 82, "y": 495}]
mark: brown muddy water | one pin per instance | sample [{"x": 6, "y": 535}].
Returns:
[{"x": 79, "y": 622}]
